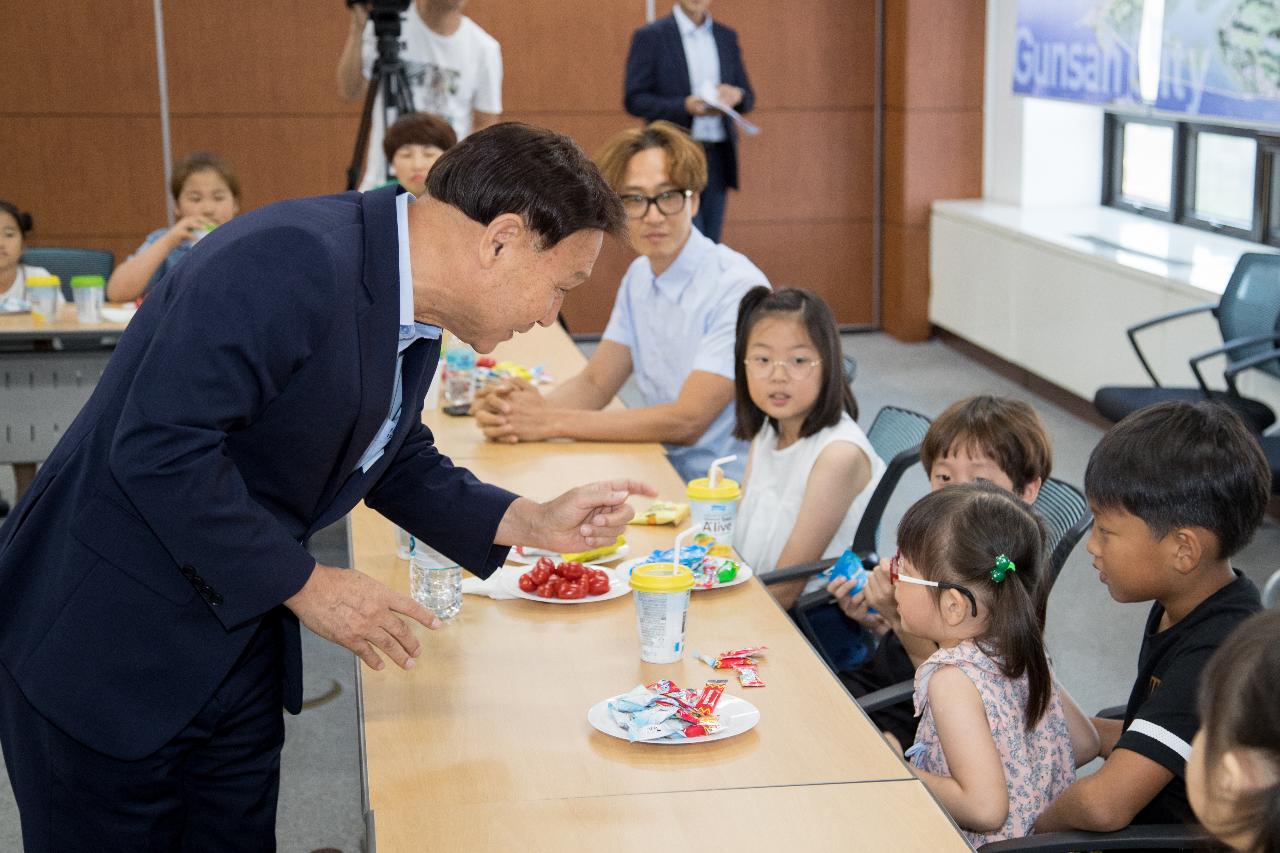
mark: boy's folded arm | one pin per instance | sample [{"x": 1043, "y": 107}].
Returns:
[{"x": 1109, "y": 799}]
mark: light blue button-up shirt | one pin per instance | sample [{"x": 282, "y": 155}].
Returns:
[
  {"x": 410, "y": 331},
  {"x": 703, "y": 59},
  {"x": 681, "y": 321}
]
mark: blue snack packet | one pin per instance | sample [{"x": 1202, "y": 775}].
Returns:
[{"x": 848, "y": 567}]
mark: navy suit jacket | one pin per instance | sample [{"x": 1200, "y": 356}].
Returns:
[
  {"x": 657, "y": 80},
  {"x": 170, "y": 518}
]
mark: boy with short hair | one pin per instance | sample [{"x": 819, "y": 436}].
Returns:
[
  {"x": 998, "y": 439},
  {"x": 1176, "y": 489}
]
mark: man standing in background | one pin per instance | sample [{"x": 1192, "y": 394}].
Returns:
[
  {"x": 672, "y": 63},
  {"x": 454, "y": 69}
]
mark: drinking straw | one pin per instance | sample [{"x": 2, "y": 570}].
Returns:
[
  {"x": 713, "y": 473},
  {"x": 680, "y": 540}
]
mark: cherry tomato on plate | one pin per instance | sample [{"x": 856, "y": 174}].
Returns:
[
  {"x": 572, "y": 589},
  {"x": 546, "y": 563},
  {"x": 527, "y": 583},
  {"x": 598, "y": 584},
  {"x": 572, "y": 571},
  {"x": 545, "y": 591},
  {"x": 540, "y": 574}
]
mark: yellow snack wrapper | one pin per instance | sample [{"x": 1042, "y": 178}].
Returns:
[
  {"x": 594, "y": 553},
  {"x": 662, "y": 512}
]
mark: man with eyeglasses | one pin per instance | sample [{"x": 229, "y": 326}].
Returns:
[{"x": 672, "y": 325}]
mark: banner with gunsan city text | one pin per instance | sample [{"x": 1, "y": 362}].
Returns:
[
  {"x": 1078, "y": 50},
  {"x": 1221, "y": 59}
]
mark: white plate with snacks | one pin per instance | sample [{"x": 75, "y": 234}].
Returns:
[
  {"x": 736, "y": 714},
  {"x": 619, "y": 585},
  {"x": 744, "y": 572}
]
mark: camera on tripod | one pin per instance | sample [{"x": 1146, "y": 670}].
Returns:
[{"x": 385, "y": 14}]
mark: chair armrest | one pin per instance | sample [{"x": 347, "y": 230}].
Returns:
[
  {"x": 1226, "y": 349},
  {"x": 1115, "y": 712},
  {"x": 1152, "y": 836},
  {"x": 1233, "y": 368},
  {"x": 803, "y": 570},
  {"x": 1132, "y": 332},
  {"x": 887, "y": 696}
]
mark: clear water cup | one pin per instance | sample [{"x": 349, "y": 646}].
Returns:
[{"x": 89, "y": 292}]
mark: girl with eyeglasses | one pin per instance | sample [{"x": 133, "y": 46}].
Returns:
[
  {"x": 811, "y": 469},
  {"x": 998, "y": 739}
]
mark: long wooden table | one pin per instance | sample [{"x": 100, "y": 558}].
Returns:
[{"x": 485, "y": 744}]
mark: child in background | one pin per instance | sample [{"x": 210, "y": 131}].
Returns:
[
  {"x": 811, "y": 469},
  {"x": 1175, "y": 490},
  {"x": 998, "y": 440},
  {"x": 1233, "y": 774},
  {"x": 14, "y": 226},
  {"x": 206, "y": 194},
  {"x": 413, "y": 144},
  {"x": 998, "y": 738}
]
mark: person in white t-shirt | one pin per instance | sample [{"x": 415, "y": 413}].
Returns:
[
  {"x": 811, "y": 470},
  {"x": 453, "y": 66}
]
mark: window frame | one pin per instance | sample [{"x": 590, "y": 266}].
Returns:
[
  {"x": 1191, "y": 132},
  {"x": 1266, "y": 176},
  {"x": 1113, "y": 170}
]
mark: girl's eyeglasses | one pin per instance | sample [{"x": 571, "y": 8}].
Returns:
[
  {"x": 796, "y": 367},
  {"x": 896, "y": 577}
]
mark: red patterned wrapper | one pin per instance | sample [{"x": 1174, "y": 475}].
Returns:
[{"x": 749, "y": 676}]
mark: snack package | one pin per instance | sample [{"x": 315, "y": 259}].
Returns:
[
  {"x": 662, "y": 710},
  {"x": 749, "y": 676},
  {"x": 848, "y": 567},
  {"x": 662, "y": 512},
  {"x": 595, "y": 553},
  {"x": 744, "y": 661}
]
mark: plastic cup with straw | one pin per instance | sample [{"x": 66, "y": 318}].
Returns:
[
  {"x": 661, "y": 591},
  {"x": 713, "y": 502}
]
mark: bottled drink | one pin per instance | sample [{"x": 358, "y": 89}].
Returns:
[
  {"x": 404, "y": 544},
  {"x": 459, "y": 374},
  {"x": 435, "y": 581}
]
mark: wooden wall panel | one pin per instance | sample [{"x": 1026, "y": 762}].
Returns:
[
  {"x": 72, "y": 56},
  {"x": 256, "y": 57},
  {"x": 832, "y": 259},
  {"x": 932, "y": 140},
  {"x": 84, "y": 176}
]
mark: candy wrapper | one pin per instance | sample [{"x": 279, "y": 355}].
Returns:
[
  {"x": 663, "y": 710},
  {"x": 662, "y": 512},
  {"x": 848, "y": 567},
  {"x": 744, "y": 661}
]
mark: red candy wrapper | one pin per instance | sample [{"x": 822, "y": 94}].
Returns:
[
  {"x": 711, "y": 693},
  {"x": 749, "y": 676}
]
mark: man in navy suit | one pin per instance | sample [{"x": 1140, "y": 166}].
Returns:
[
  {"x": 672, "y": 63},
  {"x": 153, "y": 578}
]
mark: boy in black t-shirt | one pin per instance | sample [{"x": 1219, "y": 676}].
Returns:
[{"x": 1175, "y": 489}]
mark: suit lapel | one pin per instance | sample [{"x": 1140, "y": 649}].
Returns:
[
  {"x": 675, "y": 48},
  {"x": 376, "y": 327}
]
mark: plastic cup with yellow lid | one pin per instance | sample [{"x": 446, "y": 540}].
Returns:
[{"x": 42, "y": 293}]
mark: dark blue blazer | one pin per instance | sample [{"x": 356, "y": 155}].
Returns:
[
  {"x": 170, "y": 518},
  {"x": 657, "y": 80}
]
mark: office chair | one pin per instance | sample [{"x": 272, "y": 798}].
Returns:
[
  {"x": 1159, "y": 836},
  {"x": 68, "y": 262},
  {"x": 1247, "y": 316},
  {"x": 895, "y": 435}
]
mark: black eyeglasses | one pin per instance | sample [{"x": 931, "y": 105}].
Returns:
[
  {"x": 669, "y": 203},
  {"x": 896, "y": 576}
]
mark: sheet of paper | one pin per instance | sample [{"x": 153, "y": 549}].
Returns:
[{"x": 709, "y": 95}]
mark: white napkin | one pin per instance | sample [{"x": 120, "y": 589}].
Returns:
[{"x": 494, "y": 586}]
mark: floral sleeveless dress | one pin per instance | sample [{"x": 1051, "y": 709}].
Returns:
[{"x": 1038, "y": 764}]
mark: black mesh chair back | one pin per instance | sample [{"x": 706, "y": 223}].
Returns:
[
  {"x": 895, "y": 435},
  {"x": 1250, "y": 306},
  {"x": 1066, "y": 518},
  {"x": 67, "y": 262}
]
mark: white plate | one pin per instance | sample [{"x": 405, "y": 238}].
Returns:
[
  {"x": 744, "y": 573},
  {"x": 619, "y": 586},
  {"x": 529, "y": 560},
  {"x": 736, "y": 714}
]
